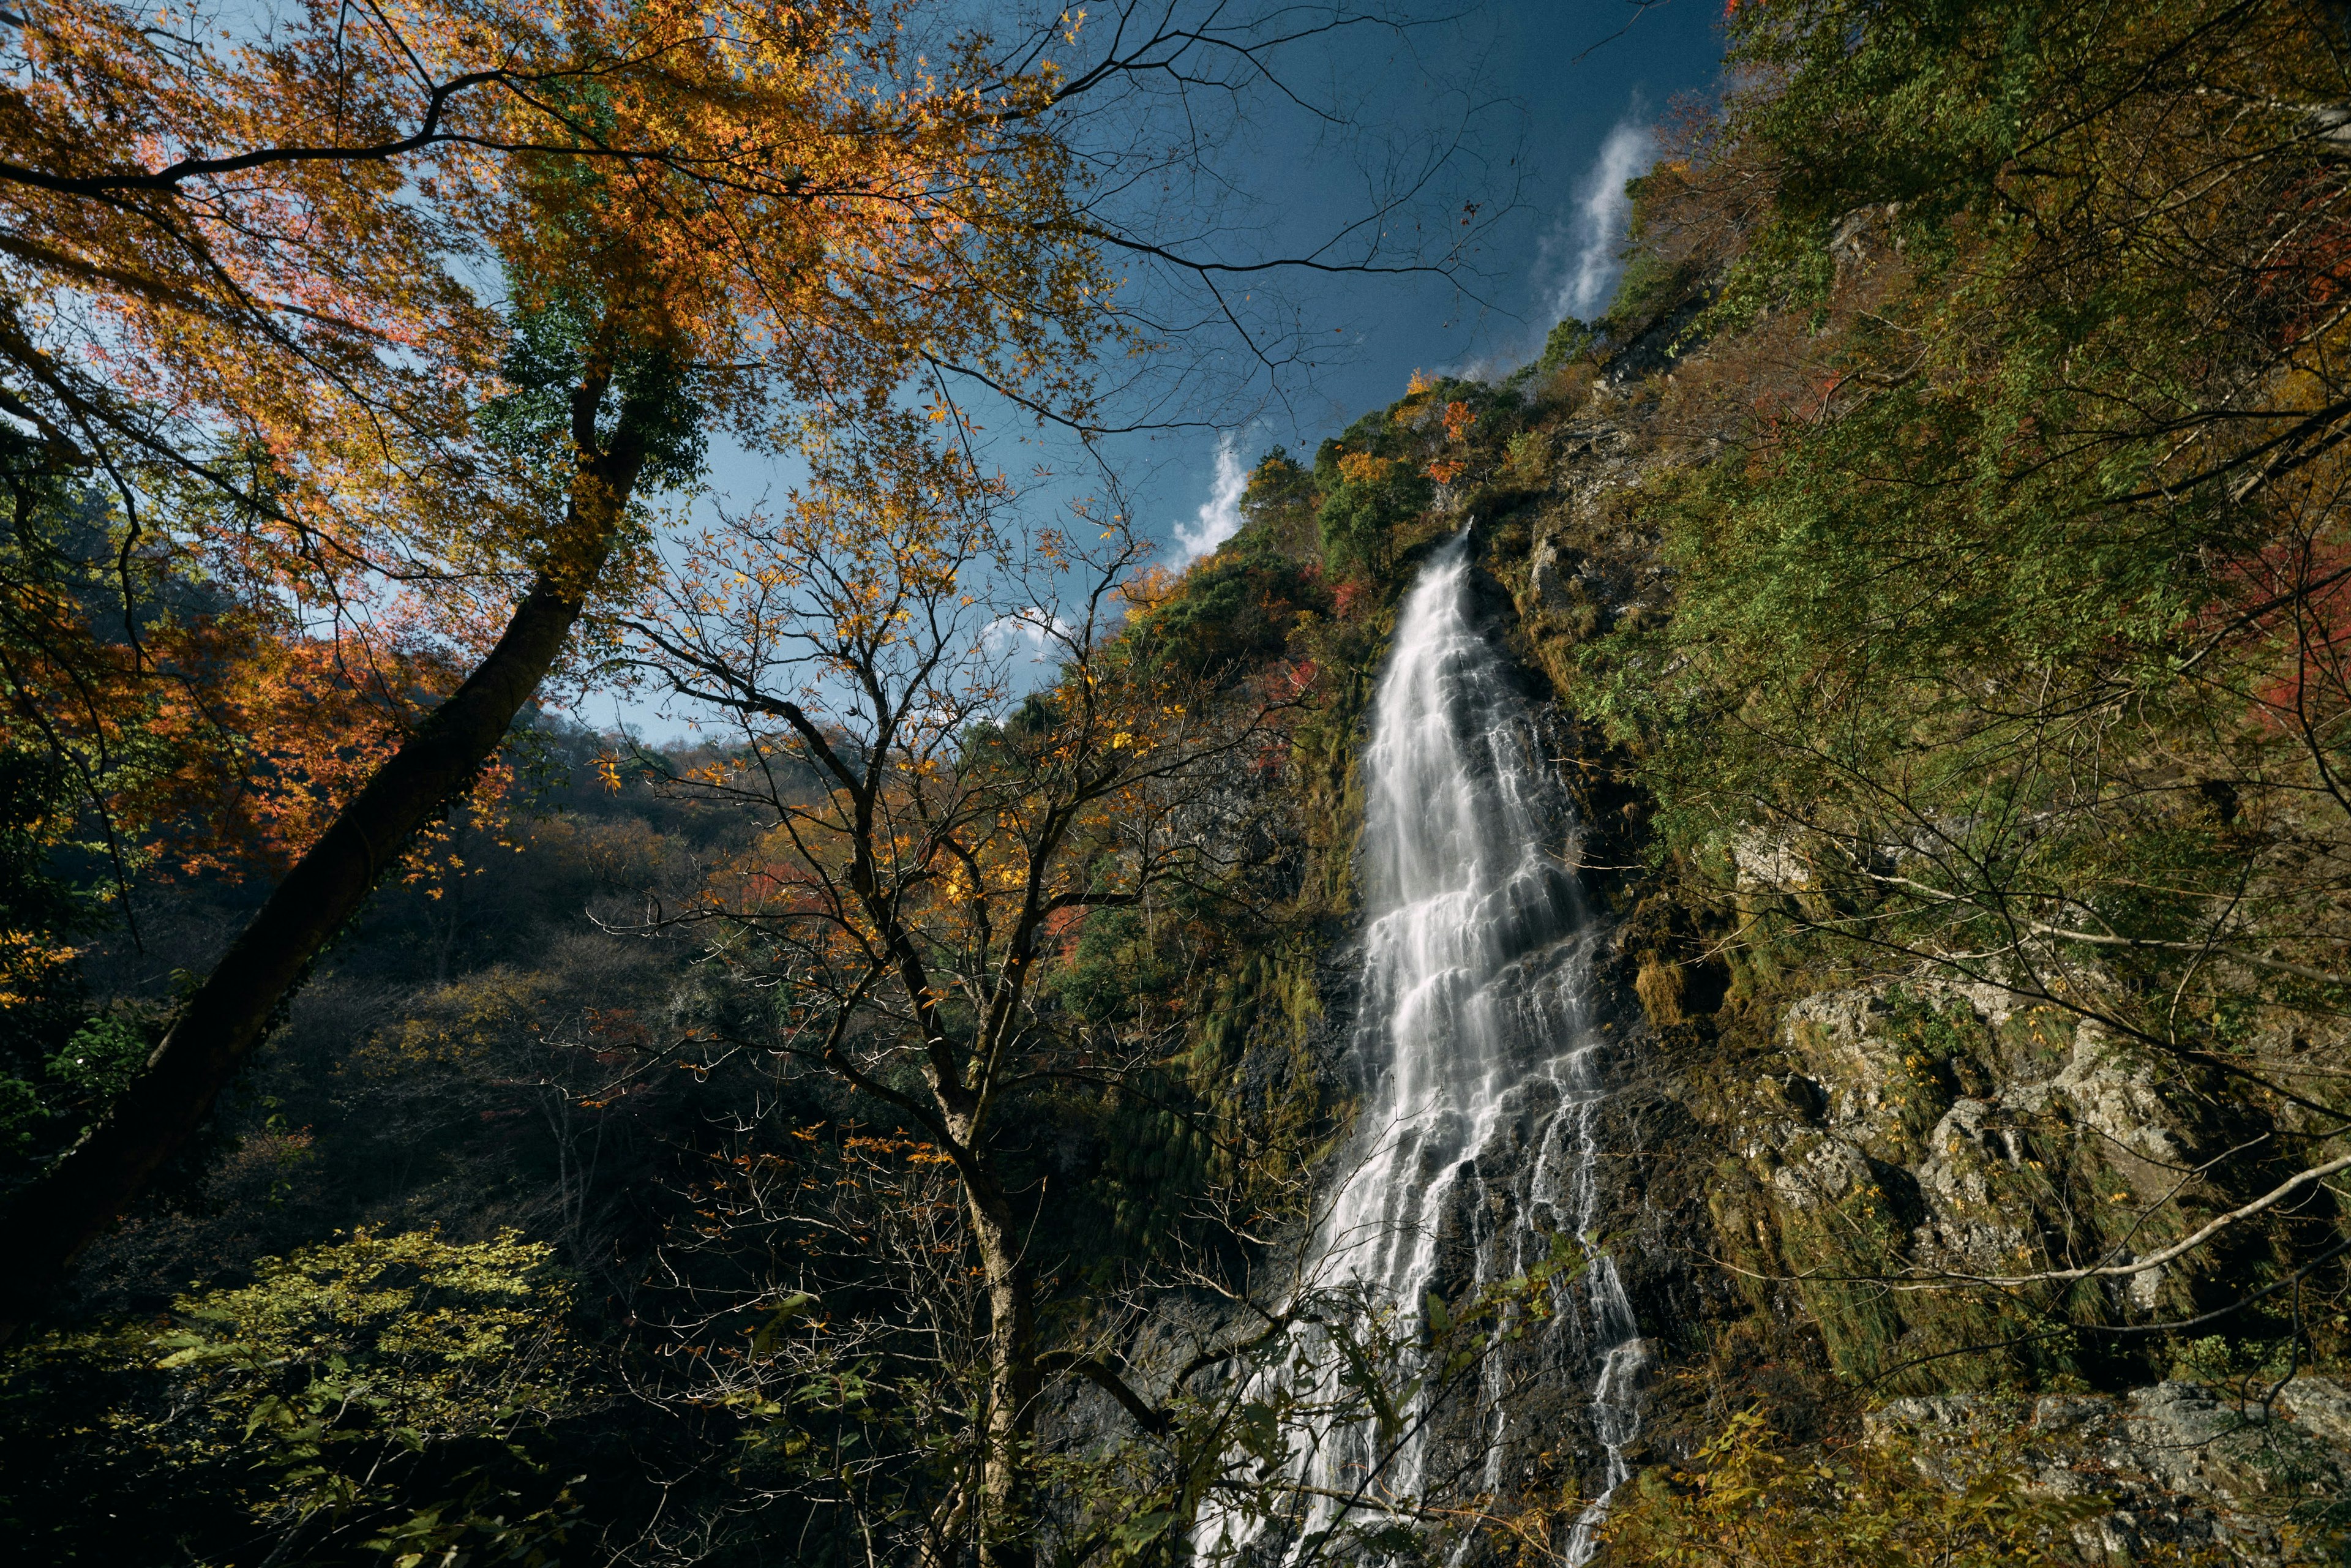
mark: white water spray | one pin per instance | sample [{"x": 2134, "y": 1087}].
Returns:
[{"x": 1480, "y": 1063}]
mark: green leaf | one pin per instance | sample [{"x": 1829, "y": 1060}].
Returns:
[{"x": 791, "y": 1308}]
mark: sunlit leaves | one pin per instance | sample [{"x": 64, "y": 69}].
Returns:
[
  {"x": 380, "y": 1389},
  {"x": 259, "y": 282}
]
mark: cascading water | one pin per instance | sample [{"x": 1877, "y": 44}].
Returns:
[{"x": 1480, "y": 1063}]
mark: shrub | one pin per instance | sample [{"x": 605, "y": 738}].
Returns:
[{"x": 375, "y": 1399}]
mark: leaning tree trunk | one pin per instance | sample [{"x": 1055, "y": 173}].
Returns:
[{"x": 87, "y": 1190}]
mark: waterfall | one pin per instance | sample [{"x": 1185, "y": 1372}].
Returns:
[{"x": 1481, "y": 1066}]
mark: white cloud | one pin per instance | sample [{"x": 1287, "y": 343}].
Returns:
[
  {"x": 1220, "y": 518},
  {"x": 1583, "y": 248},
  {"x": 1046, "y": 635}
]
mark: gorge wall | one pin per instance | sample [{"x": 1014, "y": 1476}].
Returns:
[{"x": 1792, "y": 1177}]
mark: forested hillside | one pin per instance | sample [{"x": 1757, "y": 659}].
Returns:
[{"x": 926, "y": 1119}]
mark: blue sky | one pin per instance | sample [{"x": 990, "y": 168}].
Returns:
[
  {"x": 1549, "y": 108},
  {"x": 1573, "y": 88}
]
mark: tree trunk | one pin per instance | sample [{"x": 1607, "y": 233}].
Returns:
[
  {"x": 87, "y": 1190},
  {"x": 453, "y": 905},
  {"x": 1007, "y": 1531}
]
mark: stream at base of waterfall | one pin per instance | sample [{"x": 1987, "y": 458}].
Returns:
[{"x": 1481, "y": 1074}]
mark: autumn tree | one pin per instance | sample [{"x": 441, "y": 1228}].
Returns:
[
  {"x": 875, "y": 639},
  {"x": 247, "y": 301}
]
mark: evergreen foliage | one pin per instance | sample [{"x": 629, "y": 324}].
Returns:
[{"x": 1372, "y": 483}]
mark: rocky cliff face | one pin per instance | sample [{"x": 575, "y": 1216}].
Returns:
[
  {"x": 1817, "y": 1173},
  {"x": 1831, "y": 1189},
  {"x": 2182, "y": 1465}
]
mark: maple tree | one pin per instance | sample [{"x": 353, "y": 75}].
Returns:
[{"x": 377, "y": 326}]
